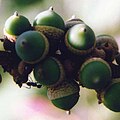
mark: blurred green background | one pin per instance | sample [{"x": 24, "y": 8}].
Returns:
[{"x": 16, "y": 103}]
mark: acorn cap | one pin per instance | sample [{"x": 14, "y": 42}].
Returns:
[
  {"x": 80, "y": 39},
  {"x": 50, "y": 32},
  {"x": 32, "y": 46},
  {"x": 109, "y": 45},
  {"x": 102, "y": 39},
  {"x": 65, "y": 95},
  {"x": 16, "y": 25},
  {"x": 49, "y": 72},
  {"x": 111, "y": 96},
  {"x": 95, "y": 73},
  {"x": 49, "y": 18}
]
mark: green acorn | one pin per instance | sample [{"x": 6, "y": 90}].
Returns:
[
  {"x": 16, "y": 25},
  {"x": 65, "y": 95},
  {"x": 32, "y": 46},
  {"x": 109, "y": 45},
  {"x": 95, "y": 73},
  {"x": 80, "y": 39},
  {"x": 111, "y": 96},
  {"x": 49, "y": 18},
  {"x": 49, "y": 72},
  {"x": 52, "y": 26}
]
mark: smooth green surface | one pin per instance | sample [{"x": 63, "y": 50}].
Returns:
[
  {"x": 30, "y": 46},
  {"x": 49, "y": 18},
  {"x": 81, "y": 37},
  {"x": 112, "y": 97},
  {"x": 15, "y": 25},
  {"x": 48, "y": 72},
  {"x": 67, "y": 102},
  {"x": 95, "y": 75}
]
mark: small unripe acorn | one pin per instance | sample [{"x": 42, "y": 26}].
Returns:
[
  {"x": 49, "y": 72},
  {"x": 65, "y": 95},
  {"x": 109, "y": 45},
  {"x": 32, "y": 46},
  {"x": 95, "y": 73},
  {"x": 49, "y": 18},
  {"x": 16, "y": 25},
  {"x": 52, "y": 26},
  {"x": 80, "y": 39},
  {"x": 111, "y": 96}
]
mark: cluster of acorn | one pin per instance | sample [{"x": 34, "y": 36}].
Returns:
[{"x": 63, "y": 56}]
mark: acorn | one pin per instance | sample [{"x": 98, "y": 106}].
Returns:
[
  {"x": 32, "y": 46},
  {"x": 49, "y": 72},
  {"x": 52, "y": 26},
  {"x": 109, "y": 45},
  {"x": 71, "y": 22},
  {"x": 95, "y": 73},
  {"x": 16, "y": 25},
  {"x": 80, "y": 39},
  {"x": 65, "y": 95},
  {"x": 111, "y": 96}
]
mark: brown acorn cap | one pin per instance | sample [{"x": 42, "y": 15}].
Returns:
[
  {"x": 63, "y": 89},
  {"x": 12, "y": 38},
  {"x": 102, "y": 39},
  {"x": 109, "y": 45},
  {"x": 50, "y": 32}
]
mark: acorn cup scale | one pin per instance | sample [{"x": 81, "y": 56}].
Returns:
[
  {"x": 16, "y": 25},
  {"x": 95, "y": 73},
  {"x": 65, "y": 95},
  {"x": 32, "y": 46},
  {"x": 80, "y": 39},
  {"x": 49, "y": 72}
]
